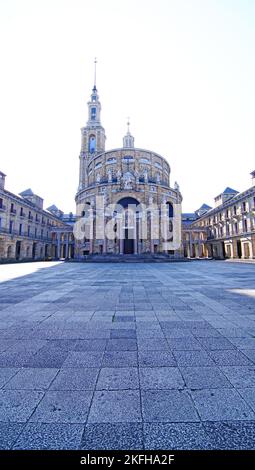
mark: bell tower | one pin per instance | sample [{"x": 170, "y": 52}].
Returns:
[{"x": 92, "y": 135}]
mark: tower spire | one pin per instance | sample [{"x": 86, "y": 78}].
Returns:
[
  {"x": 95, "y": 74},
  {"x": 128, "y": 125}
]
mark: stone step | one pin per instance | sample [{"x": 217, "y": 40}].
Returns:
[{"x": 130, "y": 258}]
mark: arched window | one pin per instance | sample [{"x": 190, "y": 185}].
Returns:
[
  {"x": 92, "y": 144},
  {"x": 93, "y": 113},
  {"x": 170, "y": 209}
]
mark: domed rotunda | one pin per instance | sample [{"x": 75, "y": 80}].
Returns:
[{"x": 112, "y": 181}]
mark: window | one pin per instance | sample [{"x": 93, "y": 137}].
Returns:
[
  {"x": 42, "y": 233},
  {"x": 20, "y": 229},
  {"x": 244, "y": 206},
  {"x": 245, "y": 226},
  {"x": 12, "y": 208},
  {"x": 234, "y": 209},
  {"x": 94, "y": 97},
  {"x": 28, "y": 230},
  {"x": 1, "y": 203},
  {"x": 0, "y": 222},
  {"x": 21, "y": 211},
  {"x": 93, "y": 114},
  {"x": 128, "y": 159},
  {"x": 92, "y": 144},
  {"x": 35, "y": 232},
  {"x": 11, "y": 226},
  {"x": 236, "y": 227},
  {"x": 111, "y": 160}
]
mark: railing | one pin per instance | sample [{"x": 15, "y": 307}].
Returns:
[
  {"x": 2, "y": 207},
  {"x": 30, "y": 217},
  {"x": 13, "y": 211},
  {"x": 24, "y": 234}
]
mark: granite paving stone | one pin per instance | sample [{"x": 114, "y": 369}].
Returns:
[
  {"x": 115, "y": 378},
  {"x": 248, "y": 395},
  {"x": 63, "y": 407},
  {"x": 230, "y": 357},
  {"x": 121, "y": 344},
  {"x": 156, "y": 358},
  {"x": 32, "y": 379},
  {"x": 9, "y": 432},
  {"x": 16, "y": 406},
  {"x": 215, "y": 343},
  {"x": 204, "y": 377},
  {"x": 235, "y": 435},
  {"x": 168, "y": 406},
  {"x": 83, "y": 359},
  {"x": 183, "y": 344},
  {"x": 75, "y": 379},
  {"x": 120, "y": 359},
  {"x": 160, "y": 378},
  {"x": 221, "y": 405},
  {"x": 123, "y": 333},
  {"x": 240, "y": 376},
  {"x": 45, "y": 436},
  {"x": 114, "y": 436},
  {"x": 250, "y": 353},
  {"x": 176, "y": 436},
  {"x": 115, "y": 407},
  {"x": 90, "y": 345},
  {"x": 152, "y": 344},
  {"x": 193, "y": 358},
  {"x": 6, "y": 374}
]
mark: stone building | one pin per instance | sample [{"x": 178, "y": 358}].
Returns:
[
  {"x": 121, "y": 177},
  {"x": 27, "y": 231},
  {"x": 225, "y": 231}
]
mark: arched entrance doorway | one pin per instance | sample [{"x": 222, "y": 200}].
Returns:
[{"x": 128, "y": 243}]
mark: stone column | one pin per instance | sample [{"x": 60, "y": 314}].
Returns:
[
  {"x": 138, "y": 235},
  {"x": 105, "y": 240},
  {"x": 190, "y": 244},
  {"x": 91, "y": 234},
  {"x": 67, "y": 246},
  {"x": 135, "y": 234},
  {"x": 58, "y": 245},
  {"x": 121, "y": 241}
]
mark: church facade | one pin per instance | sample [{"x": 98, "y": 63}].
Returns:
[{"x": 124, "y": 196}]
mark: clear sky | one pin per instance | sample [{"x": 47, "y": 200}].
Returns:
[{"x": 183, "y": 70}]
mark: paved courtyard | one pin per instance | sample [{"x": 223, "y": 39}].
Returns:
[{"x": 127, "y": 356}]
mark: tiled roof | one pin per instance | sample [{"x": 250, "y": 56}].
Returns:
[{"x": 27, "y": 192}]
